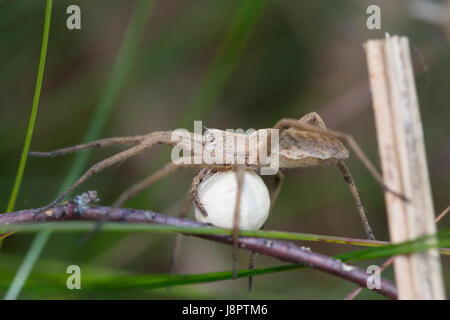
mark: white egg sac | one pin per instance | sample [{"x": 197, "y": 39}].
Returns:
[{"x": 218, "y": 196}]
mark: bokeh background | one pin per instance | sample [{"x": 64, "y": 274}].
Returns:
[{"x": 232, "y": 64}]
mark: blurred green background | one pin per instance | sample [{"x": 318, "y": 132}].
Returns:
[{"x": 231, "y": 64}]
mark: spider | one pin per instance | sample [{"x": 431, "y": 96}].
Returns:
[{"x": 304, "y": 142}]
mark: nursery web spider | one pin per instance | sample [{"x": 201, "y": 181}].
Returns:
[{"x": 302, "y": 143}]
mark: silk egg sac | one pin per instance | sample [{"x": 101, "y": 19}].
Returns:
[{"x": 218, "y": 192}]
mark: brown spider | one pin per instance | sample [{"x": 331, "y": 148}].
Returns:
[{"x": 302, "y": 143}]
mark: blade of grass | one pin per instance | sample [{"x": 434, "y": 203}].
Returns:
[
  {"x": 155, "y": 281},
  {"x": 172, "y": 280},
  {"x": 129, "y": 281},
  {"x": 81, "y": 226},
  {"x": 34, "y": 109},
  {"x": 122, "y": 66},
  {"x": 121, "y": 69},
  {"x": 224, "y": 61},
  {"x": 219, "y": 70},
  {"x": 26, "y": 266},
  {"x": 352, "y": 295},
  {"x": 412, "y": 246},
  {"x": 95, "y": 278}
]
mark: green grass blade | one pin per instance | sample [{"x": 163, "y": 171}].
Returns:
[
  {"x": 121, "y": 69},
  {"x": 82, "y": 226},
  {"x": 27, "y": 265},
  {"x": 162, "y": 281},
  {"x": 154, "y": 281},
  {"x": 224, "y": 61},
  {"x": 34, "y": 109},
  {"x": 122, "y": 66},
  {"x": 383, "y": 249},
  {"x": 100, "y": 278},
  {"x": 168, "y": 280},
  {"x": 411, "y": 246},
  {"x": 220, "y": 68}
]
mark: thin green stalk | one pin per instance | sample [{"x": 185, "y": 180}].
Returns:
[
  {"x": 155, "y": 281},
  {"x": 81, "y": 226},
  {"x": 224, "y": 61},
  {"x": 222, "y": 65},
  {"x": 22, "y": 273},
  {"x": 27, "y": 265},
  {"x": 120, "y": 71},
  {"x": 124, "y": 281},
  {"x": 172, "y": 280},
  {"x": 168, "y": 280},
  {"x": 34, "y": 109},
  {"x": 122, "y": 66}
]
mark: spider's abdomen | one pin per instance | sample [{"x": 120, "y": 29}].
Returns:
[{"x": 306, "y": 149}]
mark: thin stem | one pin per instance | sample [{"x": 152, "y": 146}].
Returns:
[
  {"x": 388, "y": 262},
  {"x": 11, "y": 222},
  {"x": 22, "y": 274},
  {"x": 120, "y": 70},
  {"x": 225, "y": 59},
  {"x": 28, "y": 263},
  {"x": 34, "y": 109},
  {"x": 280, "y": 250}
]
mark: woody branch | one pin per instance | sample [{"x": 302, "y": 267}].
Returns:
[{"x": 281, "y": 250}]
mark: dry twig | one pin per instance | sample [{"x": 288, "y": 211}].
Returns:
[
  {"x": 80, "y": 209},
  {"x": 403, "y": 159}
]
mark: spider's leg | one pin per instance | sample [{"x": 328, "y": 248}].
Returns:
[
  {"x": 93, "y": 144},
  {"x": 135, "y": 189},
  {"x": 204, "y": 173},
  {"x": 274, "y": 192},
  {"x": 349, "y": 140},
  {"x": 239, "y": 171},
  {"x": 279, "y": 178},
  {"x": 124, "y": 155},
  {"x": 316, "y": 121},
  {"x": 194, "y": 190},
  {"x": 187, "y": 202},
  {"x": 389, "y": 261},
  {"x": 351, "y": 184},
  {"x": 251, "y": 265},
  {"x": 130, "y": 193}
]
